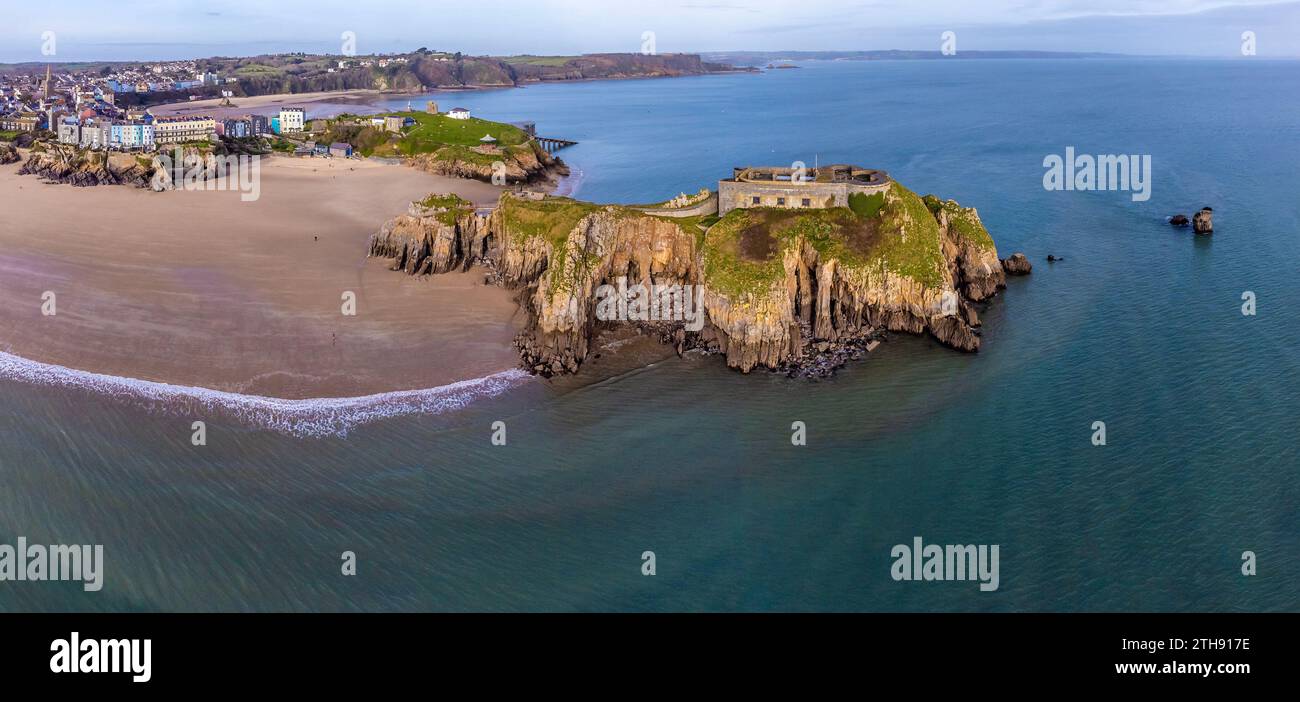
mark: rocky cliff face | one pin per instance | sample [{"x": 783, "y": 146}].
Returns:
[
  {"x": 63, "y": 163},
  {"x": 779, "y": 289},
  {"x": 66, "y": 164}
]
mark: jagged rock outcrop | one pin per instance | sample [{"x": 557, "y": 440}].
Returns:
[
  {"x": 8, "y": 154},
  {"x": 778, "y": 289},
  {"x": 1203, "y": 221},
  {"x": 1179, "y": 220},
  {"x": 436, "y": 235},
  {"x": 1017, "y": 264},
  {"x": 81, "y": 167},
  {"x": 64, "y": 163}
]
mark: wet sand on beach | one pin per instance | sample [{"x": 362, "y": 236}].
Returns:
[{"x": 203, "y": 289}]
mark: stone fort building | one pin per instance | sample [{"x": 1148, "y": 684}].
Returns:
[{"x": 815, "y": 188}]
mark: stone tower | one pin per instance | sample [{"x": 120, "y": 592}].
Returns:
[{"x": 47, "y": 81}]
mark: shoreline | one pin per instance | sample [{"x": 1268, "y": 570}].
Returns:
[
  {"x": 367, "y": 97},
  {"x": 252, "y": 105},
  {"x": 304, "y": 417}
]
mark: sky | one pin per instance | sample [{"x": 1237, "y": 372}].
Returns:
[{"x": 162, "y": 29}]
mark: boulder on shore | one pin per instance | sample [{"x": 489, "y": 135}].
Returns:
[
  {"x": 1203, "y": 222},
  {"x": 1017, "y": 264}
]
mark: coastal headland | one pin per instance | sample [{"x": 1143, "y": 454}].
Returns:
[{"x": 798, "y": 282}]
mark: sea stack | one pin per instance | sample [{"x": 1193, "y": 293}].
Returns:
[
  {"x": 1203, "y": 222},
  {"x": 1017, "y": 264},
  {"x": 1179, "y": 220}
]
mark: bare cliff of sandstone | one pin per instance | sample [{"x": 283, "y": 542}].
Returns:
[
  {"x": 63, "y": 163},
  {"x": 781, "y": 289},
  {"x": 82, "y": 167}
]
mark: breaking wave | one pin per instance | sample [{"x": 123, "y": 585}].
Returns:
[{"x": 316, "y": 417}]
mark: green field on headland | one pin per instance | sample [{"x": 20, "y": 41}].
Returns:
[
  {"x": 743, "y": 252},
  {"x": 430, "y": 134}
]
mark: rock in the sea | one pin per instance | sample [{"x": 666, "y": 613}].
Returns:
[
  {"x": 1203, "y": 222},
  {"x": 1179, "y": 220},
  {"x": 1017, "y": 264},
  {"x": 1054, "y": 259}
]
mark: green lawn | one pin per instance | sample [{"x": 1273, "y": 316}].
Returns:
[
  {"x": 8, "y": 136},
  {"x": 257, "y": 69},
  {"x": 432, "y": 131},
  {"x": 539, "y": 60}
]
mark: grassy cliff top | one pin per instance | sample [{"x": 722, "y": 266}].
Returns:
[
  {"x": 431, "y": 131},
  {"x": 450, "y": 206},
  {"x": 893, "y": 230},
  {"x": 551, "y": 219},
  {"x": 743, "y": 252},
  {"x": 965, "y": 220}
]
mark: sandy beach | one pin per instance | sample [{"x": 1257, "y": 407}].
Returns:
[
  {"x": 202, "y": 289},
  {"x": 322, "y": 104}
]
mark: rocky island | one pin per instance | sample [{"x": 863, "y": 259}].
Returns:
[{"x": 796, "y": 270}]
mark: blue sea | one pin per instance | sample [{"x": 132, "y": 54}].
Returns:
[{"x": 1140, "y": 327}]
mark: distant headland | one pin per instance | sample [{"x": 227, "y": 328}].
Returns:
[{"x": 142, "y": 83}]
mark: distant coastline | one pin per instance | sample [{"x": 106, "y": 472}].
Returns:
[{"x": 268, "y": 104}]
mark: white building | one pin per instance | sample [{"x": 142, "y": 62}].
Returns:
[
  {"x": 459, "y": 113},
  {"x": 292, "y": 119}
]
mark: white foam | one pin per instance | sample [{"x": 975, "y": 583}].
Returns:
[{"x": 332, "y": 416}]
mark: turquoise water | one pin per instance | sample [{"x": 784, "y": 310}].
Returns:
[{"x": 1140, "y": 328}]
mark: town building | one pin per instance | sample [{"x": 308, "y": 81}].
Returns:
[
  {"x": 459, "y": 113},
  {"x": 176, "y": 130},
  {"x": 340, "y": 150},
  {"x": 21, "y": 122},
  {"x": 130, "y": 136},
  {"x": 292, "y": 119}
]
